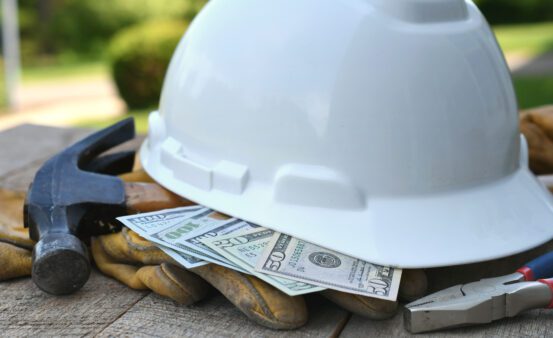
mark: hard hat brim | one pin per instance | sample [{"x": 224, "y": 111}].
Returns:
[{"x": 485, "y": 222}]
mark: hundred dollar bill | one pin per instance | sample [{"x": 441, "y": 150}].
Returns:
[
  {"x": 244, "y": 247},
  {"x": 181, "y": 237},
  {"x": 289, "y": 257},
  {"x": 171, "y": 234},
  {"x": 148, "y": 224},
  {"x": 182, "y": 258}
]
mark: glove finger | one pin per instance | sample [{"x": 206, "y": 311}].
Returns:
[
  {"x": 134, "y": 240},
  {"x": 124, "y": 273},
  {"x": 368, "y": 307},
  {"x": 11, "y": 219},
  {"x": 14, "y": 262},
  {"x": 540, "y": 147},
  {"x": 12, "y": 207},
  {"x": 542, "y": 117},
  {"x": 258, "y": 300},
  {"x": 174, "y": 282},
  {"x": 414, "y": 285},
  {"x": 127, "y": 247}
]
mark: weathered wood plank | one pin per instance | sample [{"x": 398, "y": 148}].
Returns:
[
  {"x": 216, "y": 317},
  {"x": 28, "y": 143},
  {"x": 26, "y": 147},
  {"x": 535, "y": 323},
  {"x": 27, "y": 311}
]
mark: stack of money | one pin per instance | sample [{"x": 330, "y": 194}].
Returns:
[{"x": 195, "y": 236}]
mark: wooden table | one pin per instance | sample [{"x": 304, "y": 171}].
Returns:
[{"x": 105, "y": 307}]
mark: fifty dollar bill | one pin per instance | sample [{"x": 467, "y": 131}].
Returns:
[{"x": 289, "y": 257}]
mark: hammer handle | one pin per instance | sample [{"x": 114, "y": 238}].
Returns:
[{"x": 146, "y": 197}]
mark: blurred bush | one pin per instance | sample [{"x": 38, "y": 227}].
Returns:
[
  {"x": 84, "y": 27},
  {"x": 516, "y": 11},
  {"x": 139, "y": 57}
]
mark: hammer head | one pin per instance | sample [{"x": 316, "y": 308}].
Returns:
[{"x": 64, "y": 189}]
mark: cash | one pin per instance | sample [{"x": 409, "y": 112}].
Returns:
[
  {"x": 289, "y": 257},
  {"x": 194, "y": 239},
  {"x": 148, "y": 225},
  {"x": 182, "y": 258},
  {"x": 173, "y": 230},
  {"x": 244, "y": 247},
  {"x": 195, "y": 236}
]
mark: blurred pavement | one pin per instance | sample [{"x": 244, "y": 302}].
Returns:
[
  {"x": 65, "y": 102},
  {"x": 540, "y": 65}
]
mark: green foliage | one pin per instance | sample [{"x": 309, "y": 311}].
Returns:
[
  {"x": 84, "y": 27},
  {"x": 139, "y": 57},
  {"x": 529, "y": 40},
  {"x": 533, "y": 91},
  {"x": 516, "y": 11}
]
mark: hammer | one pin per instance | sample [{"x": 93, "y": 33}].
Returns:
[{"x": 74, "y": 195}]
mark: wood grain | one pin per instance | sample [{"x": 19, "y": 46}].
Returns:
[
  {"x": 26, "y": 147},
  {"x": 535, "y": 323},
  {"x": 28, "y": 144},
  {"x": 154, "y": 316},
  {"x": 27, "y": 311}
]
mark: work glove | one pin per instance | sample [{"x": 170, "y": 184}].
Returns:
[
  {"x": 139, "y": 264},
  {"x": 125, "y": 255},
  {"x": 258, "y": 300},
  {"x": 15, "y": 245},
  {"x": 537, "y": 126}
]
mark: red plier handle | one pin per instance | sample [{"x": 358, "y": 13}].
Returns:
[{"x": 540, "y": 269}]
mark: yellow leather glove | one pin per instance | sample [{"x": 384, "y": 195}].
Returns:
[
  {"x": 139, "y": 264},
  {"x": 537, "y": 127},
  {"x": 15, "y": 245},
  {"x": 125, "y": 256},
  {"x": 246, "y": 292}
]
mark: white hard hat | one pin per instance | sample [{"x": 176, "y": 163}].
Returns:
[{"x": 385, "y": 130}]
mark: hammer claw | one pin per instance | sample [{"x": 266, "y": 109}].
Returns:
[
  {"x": 112, "y": 164},
  {"x": 95, "y": 144}
]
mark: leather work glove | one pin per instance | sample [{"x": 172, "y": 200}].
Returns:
[
  {"x": 258, "y": 300},
  {"x": 537, "y": 126},
  {"x": 15, "y": 245},
  {"x": 121, "y": 255}
]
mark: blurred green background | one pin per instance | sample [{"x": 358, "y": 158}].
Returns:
[{"x": 131, "y": 42}]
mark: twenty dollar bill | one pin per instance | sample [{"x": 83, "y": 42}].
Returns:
[{"x": 243, "y": 248}]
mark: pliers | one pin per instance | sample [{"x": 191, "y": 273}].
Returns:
[{"x": 486, "y": 300}]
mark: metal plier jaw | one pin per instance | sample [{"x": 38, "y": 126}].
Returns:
[{"x": 483, "y": 301}]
